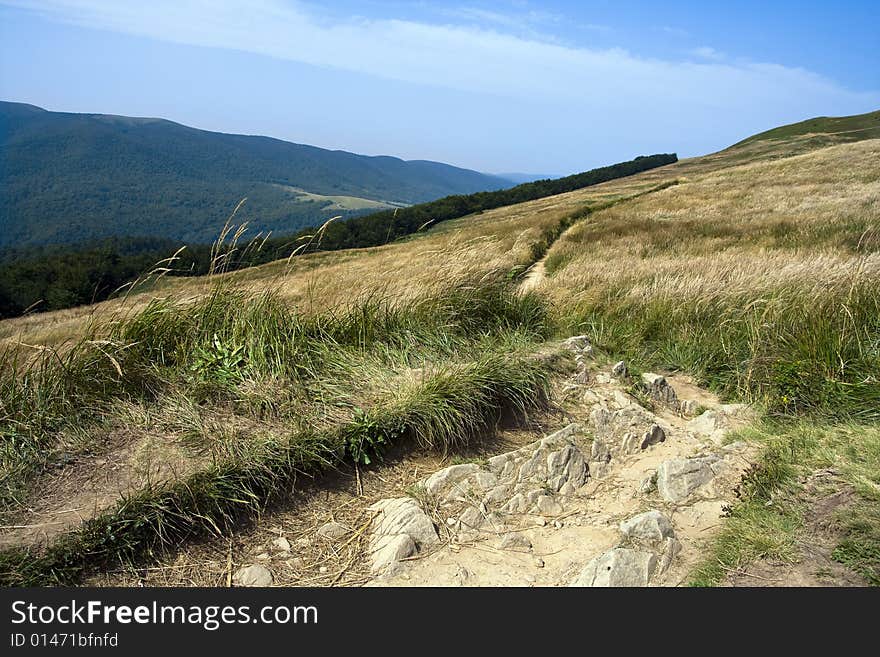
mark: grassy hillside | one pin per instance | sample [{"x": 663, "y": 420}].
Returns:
[
  {"x": 844, "y": 128},
  {"x": 756, "y": 270},
  {"x": 68, "y": 178},
  {"x": 51, "y": 278}
]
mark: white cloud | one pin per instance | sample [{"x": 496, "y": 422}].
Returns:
[
  {"x": 707, "y": 53},
  {"x": 527, "y": 94},
  {"x": 471, "y": 57}
]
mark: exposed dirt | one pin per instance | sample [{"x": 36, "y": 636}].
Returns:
[
  {"x": 535, "y": 275},
  {"x": 826, "y": 496},
  {"x": 341, "y": 497},
  {"x": 83, "y": 484}
]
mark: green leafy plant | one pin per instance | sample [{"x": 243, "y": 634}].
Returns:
[
  {"x": 219, "y": 361},
  {"x": 366, "y": 437}
]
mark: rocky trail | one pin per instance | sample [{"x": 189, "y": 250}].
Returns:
[
  {"x": 627, "y": 496},
  {"x": 627, "y": 488}
]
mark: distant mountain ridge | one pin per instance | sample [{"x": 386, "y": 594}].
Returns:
[{"x": 68, "y": 178}]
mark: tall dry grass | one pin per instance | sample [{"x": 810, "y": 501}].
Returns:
[{"x": 763, "y": 279}]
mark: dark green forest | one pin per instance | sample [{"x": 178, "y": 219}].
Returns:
[
  {"x": 53, "y": 277},
  {"x": 78, "y": 178}
]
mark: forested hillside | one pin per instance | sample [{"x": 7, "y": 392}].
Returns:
[{"x": 75, "y": 178}]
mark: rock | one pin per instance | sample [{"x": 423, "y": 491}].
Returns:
[
  {"x": 671, "y": 548},
  {"x": 282, "y": 544},
  {"x": 648, "y": 484},
  {"x": 577, "y": 343},
  {"x": 442, "y": 482},
  {"x": 387, "y": 551},
  {"x": 472, "y": 518},
  {"x": 706, "y": 423},
  {"x": 333, "y": 530},
  {"x": 399, "y": 530},
  {"x": 618, "y": 567},
  {"x": 485, "y": 480},
  {"x": 517, "y": 504},
  {"x": 631, "y": 443},
  {"x": 582, "y": 377},
  {"x": 515, "y": 541},
  {"x": 678, "y": 478},
  {"x": 650, "y": 528},
  {"x": 567, "y": 466},
  {"x": 659, "y": 389},
  {"x": 558, "y": 438},
  {"x": 620, "y": 369},
  {"x": 303, "y": 542},
  {"x": 599, "y": 469},
  {"x": 254, "y": 575},
  {"x": 612, "y": 426},
  {"x": 688, "y": 406},
  {"x": 547, "y": 506},
  {"x": 496, "y": 463},
  {"x": 600, "y": 451},
  {"x": 497, "y": 495},
  {"x": 403, "y": 515},
  {"x": 539, "y": 562},
  {"x": 263, "y": 556},
  {"x": 652, "y": 436}
]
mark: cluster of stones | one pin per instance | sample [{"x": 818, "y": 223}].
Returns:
[
  {"x": 537, "y": 479},
  {"x": 646, "y": 552}
]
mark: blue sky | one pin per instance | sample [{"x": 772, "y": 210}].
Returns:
[{"x": 510, "y": 85}]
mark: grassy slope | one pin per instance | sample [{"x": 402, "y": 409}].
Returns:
[
  {"x": 666, "y": 278},
  {"x": 846, "y": 128}
]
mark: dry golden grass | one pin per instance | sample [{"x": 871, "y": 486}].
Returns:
[{"x": 805, "y": 222}]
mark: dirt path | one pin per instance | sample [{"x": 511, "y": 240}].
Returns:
[
  {"x": 528, "y": 530},
  {"x": 534, "y": 276}
]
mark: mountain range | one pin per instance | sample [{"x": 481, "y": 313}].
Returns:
[{"x": 70, "y": 178}]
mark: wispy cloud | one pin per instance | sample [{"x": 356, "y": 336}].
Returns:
[
  {"x": 706, "y": 52},
  {"x": 460, "y": 56},
  {"x": 490, "y": 54}
]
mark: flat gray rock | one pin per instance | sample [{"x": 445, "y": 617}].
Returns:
[
  {"x": 442, "y": 482},
  {"x": 678, "y": 478},
  {"x": 651, "y": 528},
  {"x": 254, "y": 575},
  {"x": 618, "y": 567}
]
